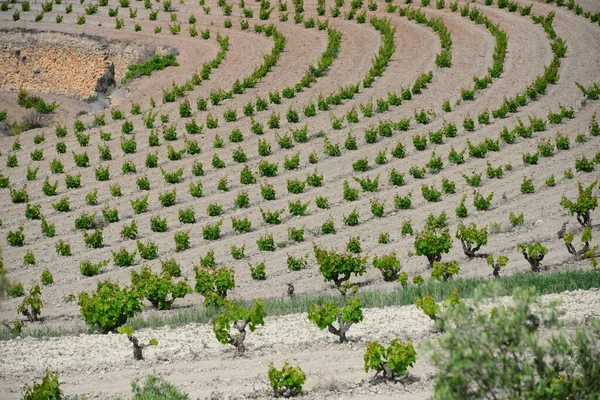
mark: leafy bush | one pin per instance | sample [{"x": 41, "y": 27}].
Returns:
[
  {"x": 140, "y": 205},
  {"x": 432, "y": 243},
  {"x": 266, "y": 243},
  {"x": 123, "y": 258},
  {"x": 482, "y": 203},
  {"x": 392, "y": 361},
  {"x": 286, "y": 382},
  {"x": 325, "y": 316},
  {"x": 49, "y": 388},
  {"x": 534, "y": 254},
  {"x": 430, "y": 193},
  {"x": 182, "y": 240},
  {"x": 109, "y": 306},
  {"x": 16, "y": 238},
  {"x": 527, "y": 186},
  {"x": 158, "y": 224},
  {"x": 388, "y": 265},
  {"x": 585, "y": 203},
  {"x": 160, "y": 290},
  {"x": 167, "y": 199},
  {"x": 93, "y": 240},
  {"x": 444, "y": 271},
  {"x": 48, "y": 229},
  {"x": 87, "y": 268},
  {"x": 234, "y": 316},
  {"x": 212, "y": 231},
  {"x": 531, "y": 366},
  {"x": 257, "y": 272},
  {"x": 338, "y": 267},
  {"x": 147, "y": 251},
  {"x": 31, "y": 306},
  {"x": 472, "y": 239},
  {"x": 63, "y": 248}
]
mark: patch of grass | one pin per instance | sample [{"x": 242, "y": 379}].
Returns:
[
  {"x": 555, "y": 282},
  {"x": 145, "y": 68}
]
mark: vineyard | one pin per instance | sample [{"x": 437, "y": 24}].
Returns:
[{"x": 233, "y": 187}]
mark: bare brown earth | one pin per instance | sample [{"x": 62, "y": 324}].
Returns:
[{"x": 106, "y": 372}]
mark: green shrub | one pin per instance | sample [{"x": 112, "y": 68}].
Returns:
[
  {"x": 325, "y": 316},
  {"x": 159, "y": 290},
  {"x": 123, "y": 258},
  {"x": 388, "y": 265},
  {"x": 563, "y": 370},
  {"x": 265, "y": 243},
  {"x": 585, "y": 203},
  {"x": 212, "y": 231},
  {"x": 393, "y": 360},
  {"x": 158, "y": 224},
  {"x": 93, "y": 240},
  {"x": 238, "y": 318},
  {"x": 130, "y": 231},
  {"x": 338, "y": 267},
  {"x": 534, "y": 254},
  {"x": 432, "y": 243},
  {"x": 49, "y": 388},
  {"x": 182, "y": 240},
  {"x": 29, "y": 258},
  {"x": 48, "y": 229},
  {"x": 63, "y": 205},
  {"x": 109, "y": 306},
  {"x": 170, "y": 267},
  {"x": 167, "y": 199},
  {"x": 257, "y": 272},
  {"x": 102, "y": 173},
  {"x": 147, "y": 251},
  {"x": 238, "y": 252},
  {"x": 482, "y": 203},
  {"x": 46, "y": 278},
  {"x": 214, "y": 209},
  {"x": 286, "y": 382},
  {"x": 110, "y": 214},
  {"x": 213, "y": 283}
]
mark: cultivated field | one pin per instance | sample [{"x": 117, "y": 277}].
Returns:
[{"x": 285, "y": 128}]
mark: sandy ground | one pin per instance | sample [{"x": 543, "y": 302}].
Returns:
[
  {"x": 416, "y": 45},
  {"x": 191, "y": 358}
]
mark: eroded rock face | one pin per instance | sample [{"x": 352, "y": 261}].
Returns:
[{"x": 51, "y": 62}]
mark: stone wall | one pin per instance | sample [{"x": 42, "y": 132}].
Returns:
[{"x": 51, "y": 62}]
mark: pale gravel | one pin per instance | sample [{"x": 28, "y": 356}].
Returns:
[{"x": 183, "y": 351}]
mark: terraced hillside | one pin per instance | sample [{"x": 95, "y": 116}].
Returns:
[{"x": 287, "y": 129}]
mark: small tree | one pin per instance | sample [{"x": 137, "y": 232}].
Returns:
[
  {"x": 213, "y": 283},
  {"x": 338, "y": 267},
  {"x": 497, "y": 263},
  {"x": 48, "y": 389},
  {"x": 392, "y": 361},
  {"x": 325, "y": 316},
  {"x": 444, "y": 271},
  {"x": 31, "y": 306},
  {"x": 238, "y": 318},
  {"x": 586, "y": 251},
  {"x": 109, "y": 306},
  {"x": 286, "y": 382},
  {"x": 389, "y": 265},
  {"x": 534, "y": 254},
  {"x": 514, "y": 352},
  {"x": 432, "y": 309},
  {"x": 585, "y": 203},
  {"x": 137, "y": 347},
  {"x": 159, "y": 289},
  {"x": 472, "y": 239},
  {"x": 432, "y": 243}
]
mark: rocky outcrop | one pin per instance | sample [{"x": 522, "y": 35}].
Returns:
[{"x": 51, "y": 62}]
